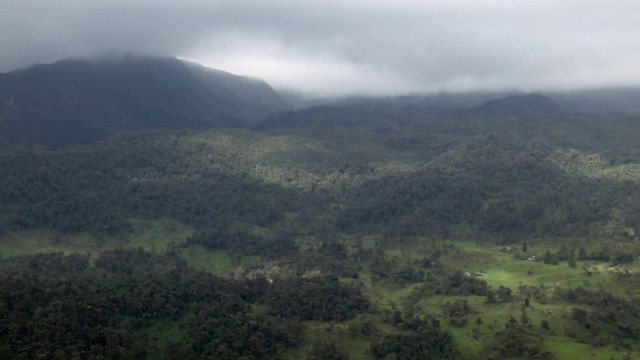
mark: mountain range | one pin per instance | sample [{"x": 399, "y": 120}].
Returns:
[{"x": 77, "y": 101}]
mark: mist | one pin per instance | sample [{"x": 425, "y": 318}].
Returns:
[{"x": 332, "y": 48}]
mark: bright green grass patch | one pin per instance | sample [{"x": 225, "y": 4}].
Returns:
[
  {"x": 530, "y": 273},
  {"x": 503, "y": 268}
]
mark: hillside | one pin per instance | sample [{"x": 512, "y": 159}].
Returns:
[
  {"x": 76, "y": 101},
  {"x": 333, "y": 232}
]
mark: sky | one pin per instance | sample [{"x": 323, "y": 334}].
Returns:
[{"x": 348, "y": 47}]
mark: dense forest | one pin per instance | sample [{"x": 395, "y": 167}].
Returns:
[
  {"x": 508, "y": 230},
  {"x": 490, "y": 181}
]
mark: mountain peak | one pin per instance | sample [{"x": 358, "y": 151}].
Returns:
[{"x": 79, "y": 100}]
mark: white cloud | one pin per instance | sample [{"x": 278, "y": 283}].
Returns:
[{"x": 349, "y": 46}]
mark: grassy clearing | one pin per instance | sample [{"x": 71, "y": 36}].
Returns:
[
  {"x": 153, "y": 235},
  {"x": 216, "y": 261},
  {"x": 566, "y": 348},
  {"x": 524, "y": 272},
  {"x": 44, "y": 241},
  {"x": 158, "y": 234},
  {"x": 503, "y": 268}
]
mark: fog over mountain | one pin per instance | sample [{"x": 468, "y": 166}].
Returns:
[{"x": 355, "y": 47}]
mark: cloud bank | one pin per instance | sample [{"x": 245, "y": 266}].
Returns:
[{"x": 334, "y": 48}]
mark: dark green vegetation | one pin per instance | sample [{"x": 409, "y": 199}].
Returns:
[
  {"x": 77, "y": 101},
  {"x": 60, "y": 307},
  {"x": 508, "y": 230}
]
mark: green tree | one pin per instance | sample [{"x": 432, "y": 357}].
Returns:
[
  {"x": 571, "y": 260},
  {"x": 545, "y": 324},
  {"x": 582, "y": 254}
]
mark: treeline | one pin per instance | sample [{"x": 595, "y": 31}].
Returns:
[
  {"x": 242, "y": 243},
  {"x": 570, "y": 255},
  {"x": 58, "y": 306}
]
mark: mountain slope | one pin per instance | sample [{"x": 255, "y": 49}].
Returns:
[
  {"x": 78, "y": 101},
  {"x": 607, "y": 101},
  {"x": 524, "y": 107},
  {"x": 328, "y": 224}
]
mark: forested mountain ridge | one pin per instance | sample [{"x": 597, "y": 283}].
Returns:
[
  {"x": 491, "y": 180},
  {"x": 76, "y": 101},
  {"x": 604, "y": 101}
]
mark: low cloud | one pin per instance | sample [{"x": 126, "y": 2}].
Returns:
[{"x": 334, "y": 48}]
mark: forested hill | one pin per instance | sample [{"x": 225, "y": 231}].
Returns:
[
  {"x": 525, "y": 107},
  {"x": 76, "y": 101},
  {"x": 328, "y": 233},
  {"x": 335, "y": 170}
]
